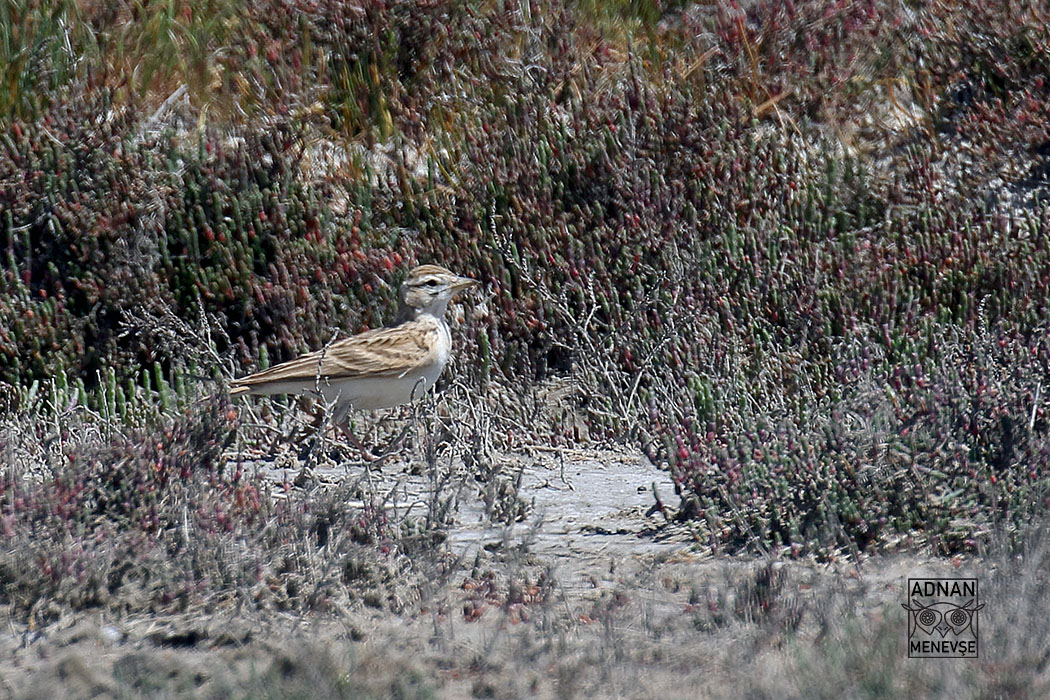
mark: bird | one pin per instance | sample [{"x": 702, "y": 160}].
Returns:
[{"x": 379, "y": 368}]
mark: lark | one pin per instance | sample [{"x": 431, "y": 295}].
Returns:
[{"x": 379, "y": 368}]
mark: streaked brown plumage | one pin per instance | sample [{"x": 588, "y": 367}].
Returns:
[{"x": 378, "y": 368}]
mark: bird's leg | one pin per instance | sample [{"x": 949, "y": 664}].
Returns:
[
  {"x": 302, "y": 432},
  {"x": 344, "y": 425},
  {"x": 409, "y": 419},
  {"x": 396, "y": 444},
  {"x": 374, "y": 460}
]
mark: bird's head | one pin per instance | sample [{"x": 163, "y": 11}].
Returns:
[{"x": 428, "y": 289}]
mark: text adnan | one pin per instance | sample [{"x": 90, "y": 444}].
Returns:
[{"x": 943, "y": 588}]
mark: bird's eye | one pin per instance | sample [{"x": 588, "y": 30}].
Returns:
[{"x": 432, "y": 283}]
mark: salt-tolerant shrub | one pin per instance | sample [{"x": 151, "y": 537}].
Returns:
[{"x": 768, "y": 244}]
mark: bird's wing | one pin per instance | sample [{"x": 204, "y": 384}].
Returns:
[{"x": 384, "y": 352}]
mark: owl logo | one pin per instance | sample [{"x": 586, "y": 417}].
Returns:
[{"x": 943, "y": 618}]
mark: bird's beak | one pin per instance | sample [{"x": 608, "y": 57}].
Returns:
[{"x": 463, "y": 283}]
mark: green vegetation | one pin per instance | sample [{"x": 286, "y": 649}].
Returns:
[{"x": 798, "y": 252}]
